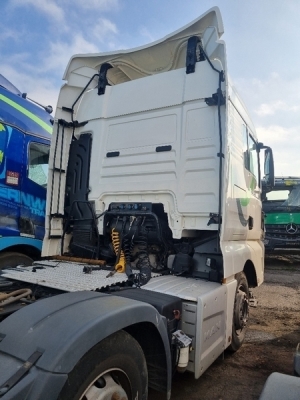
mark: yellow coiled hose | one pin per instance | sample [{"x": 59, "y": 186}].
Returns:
[{"x": 115, "y": 238}]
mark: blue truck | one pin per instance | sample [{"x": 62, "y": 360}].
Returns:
[{"x": 25, "y": 135}]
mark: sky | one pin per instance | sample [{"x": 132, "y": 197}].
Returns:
[{"x": 38, "y": 37}]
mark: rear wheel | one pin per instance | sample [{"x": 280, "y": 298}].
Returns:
[
  {"x": 240, "y": 312},
  {"x": 115, "y": 369},
  {"x": 11, "y": 259}
]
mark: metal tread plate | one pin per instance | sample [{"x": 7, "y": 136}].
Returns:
[{"x": 62, "y": 275}]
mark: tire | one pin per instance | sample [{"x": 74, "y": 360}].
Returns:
[
  {"x": 113, "y": 369},
  {"x": 240, "y": 312},
  {"x": 11, "y": 259}
]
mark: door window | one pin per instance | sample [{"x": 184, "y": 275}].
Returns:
[
  {"x": 38, "y": 163},
  {"x": 251, "y": 154},
  {"x": 253, "y": 158}
]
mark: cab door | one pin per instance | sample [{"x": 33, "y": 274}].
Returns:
[
  {"x": 33, "y": 189},
  {"x": 11, "y": 161}
]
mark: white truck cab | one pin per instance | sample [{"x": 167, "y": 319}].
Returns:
[{"x": 154, "y": 226}]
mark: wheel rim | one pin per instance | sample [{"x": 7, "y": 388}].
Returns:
[
  {"x": 241, "y": 313},
  {"x": 109, "y": 385}
]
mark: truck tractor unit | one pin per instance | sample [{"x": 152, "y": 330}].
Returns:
[
  {"x": 154, "y": 226},
  {"x": 281, "y": 206},
  {"x": 25, "y": 135}
]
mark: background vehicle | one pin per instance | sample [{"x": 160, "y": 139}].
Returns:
[
  {"x": 281, "y": 386},
  {"x": 153, "y": 228},
  {"x": 25, "y": 133},
  {"x": 282, "y": 215}
]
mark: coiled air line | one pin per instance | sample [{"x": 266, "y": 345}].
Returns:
[{"x": 120, "y": 262}]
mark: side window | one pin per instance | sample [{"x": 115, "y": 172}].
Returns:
[
  {"x": 38, "y": 163},
  {"x": 253, "y": 158},
  {"x": 245, "y": 147},
  {"x": 4, "y": 139}
]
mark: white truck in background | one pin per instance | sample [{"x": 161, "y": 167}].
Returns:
[{"x": 154, "y": 226}]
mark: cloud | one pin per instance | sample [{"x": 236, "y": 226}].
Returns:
[
  {"x": 273, "y": 107},
  {"x": 277, "y": 133},
  {"x": 19, "y": 69},
  {"x": 285, "y": 144},
  {"x": 104, "y": 28},
  {"x": 44, "y": 92},
  {"x": 42, "y": 78},
  {"x": 272, "y": 89},
  {"x": 145, "y": 32},
  {"x": 270, "y": 108},
  {"x": 97, "y": 5},
  {"x": 274, "y": 100},
  {"x": 59, "y": 53},
  {"x": 49, "y": 8},
  {"x": 38, "y": 87},
  {"x": 9, "y": 34}
]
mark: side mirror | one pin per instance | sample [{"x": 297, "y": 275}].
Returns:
[{"x": 269, "y": 175}]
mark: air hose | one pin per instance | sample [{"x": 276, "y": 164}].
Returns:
[{"x": 121, "y": 261}]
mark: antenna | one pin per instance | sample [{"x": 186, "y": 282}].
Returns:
[{"x": 49, "y": 109}]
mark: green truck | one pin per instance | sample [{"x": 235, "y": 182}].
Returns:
[{"x": 282, "y": 215}]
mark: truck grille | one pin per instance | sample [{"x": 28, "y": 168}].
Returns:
[{"x": 284, "y": 231}]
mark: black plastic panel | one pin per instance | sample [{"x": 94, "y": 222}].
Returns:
[
  {"x": 78, "y": 173},
  {"x": 165, "y": 304}
]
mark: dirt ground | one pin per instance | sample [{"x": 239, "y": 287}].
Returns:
[{"x": 272, "y": 337}]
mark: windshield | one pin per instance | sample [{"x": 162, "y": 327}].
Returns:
[
  {"x": 294, "y": 198},
  {"x": 279, "y": 195}
]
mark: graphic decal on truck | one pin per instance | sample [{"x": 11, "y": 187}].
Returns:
[
  {"x": 35, "y": 204},
  {"x": 244, "y": 202},
  {"x": 242, "y": 219},
  {"x": 27, "y": 113}
]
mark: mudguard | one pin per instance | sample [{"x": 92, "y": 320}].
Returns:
[{"x": 63, "y": 328}]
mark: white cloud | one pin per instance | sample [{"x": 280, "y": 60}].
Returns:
[
  {"x": 273, "y": 107},
  {"x": 273, "y": 89},
  {"x": 16, "y": 59},
  {"x": 274, "y": 100},
  {"x": 104, "y": 28},
  {"x": 9, "y": 34},
  {"x": 285, "y": 144},
  {"x": 59, "y": 53},
  {"x": 44, "y": 92},
  {"x": 98, "y": 5},
  {"x": 270, "y": 108},
  {"x": 49, "y": 7},
  {"x": 38, "y": 88},
  {"x": 144, "y": 32},
  {"x": 277, "y": 133}
]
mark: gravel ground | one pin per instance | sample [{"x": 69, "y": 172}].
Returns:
[{"x": 272, "y": 337}]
